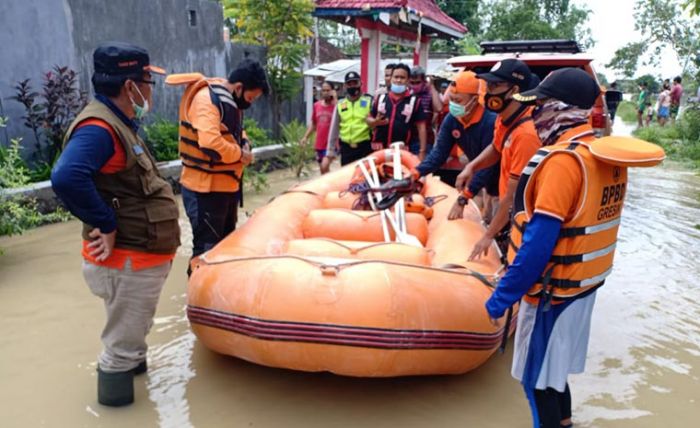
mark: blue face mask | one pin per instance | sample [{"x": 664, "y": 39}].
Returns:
[
  {"x": 398, "y": 89},
  {"x": 457, "y": 110}
]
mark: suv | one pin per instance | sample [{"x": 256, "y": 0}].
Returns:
[{"x": 542, "y": 56}]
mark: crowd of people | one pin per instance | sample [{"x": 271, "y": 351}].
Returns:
[
  {"x": 667, "y": 103},
  {"x": 527, "y": 149}
]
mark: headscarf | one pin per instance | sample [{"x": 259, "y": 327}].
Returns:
[{"x": 555, "y": 117}]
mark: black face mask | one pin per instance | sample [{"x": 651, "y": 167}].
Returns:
[
  {"x": 353, "y": 92},
  {"x": 497, "y": 102},
  {"x": 241, "y": 101}
]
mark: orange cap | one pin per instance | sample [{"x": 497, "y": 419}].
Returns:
[{"x": 466, "y": 83}]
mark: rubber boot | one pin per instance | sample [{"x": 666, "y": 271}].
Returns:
[{"x": 115, "y": 389}]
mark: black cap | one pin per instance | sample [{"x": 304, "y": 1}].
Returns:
[
  {"x": 116, "y": 61},
  {"x": 572, "y": 86},
  {"x": 351, "y": 75},
  {"x": 509, "y": 70},
  {"x": 417, "y": 71}
]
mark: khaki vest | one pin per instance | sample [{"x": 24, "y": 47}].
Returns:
[
  {"x": 353, "y": 128},
  {"x": 583, "y": 255},
  {"x": 143, "y": 201}
]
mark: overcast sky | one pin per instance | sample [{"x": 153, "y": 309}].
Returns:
[{"x": 612, "y": 25}]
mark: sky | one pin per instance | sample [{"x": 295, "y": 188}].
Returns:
[{"x": 612, "y": 26}]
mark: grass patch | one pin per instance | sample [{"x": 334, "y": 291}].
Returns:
[{"x": 627, "y": 111}]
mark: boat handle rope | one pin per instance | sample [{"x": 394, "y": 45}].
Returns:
[{"x": 334, "y": 269}]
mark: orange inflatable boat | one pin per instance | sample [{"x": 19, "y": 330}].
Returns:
[{"x": 308, "y": 283}]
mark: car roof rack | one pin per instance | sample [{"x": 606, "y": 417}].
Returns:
[{"x": 563, "y": 46}]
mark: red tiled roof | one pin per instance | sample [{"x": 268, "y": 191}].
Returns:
[{"x": 428, "y": 7}]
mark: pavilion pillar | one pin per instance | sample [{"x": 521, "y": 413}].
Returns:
[{"x": 371, "y": 55}]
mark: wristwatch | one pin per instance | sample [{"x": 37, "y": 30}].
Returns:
[{"x": 462, "y": 200}]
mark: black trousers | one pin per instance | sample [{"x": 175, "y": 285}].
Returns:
[
  {"x": 212, "y": 215},
  {"x": 350, "y": 155},
  {"x": 553, "y": 406}
]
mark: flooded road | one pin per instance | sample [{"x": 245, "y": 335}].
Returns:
[{"x": 643, "y": 368}]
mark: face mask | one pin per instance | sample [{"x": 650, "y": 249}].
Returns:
[
  {"x": 241, "y": 101},
  {"x": 139, "y": 111},
  {"x": 398, "y": 89},
  {"x": 353, "y": 92},
  {"x": 418, "y": 87},
  {"x": 554, "y": 117},
  {"x": 497, "y": 102},
  {"x": 457, "y": 110}
]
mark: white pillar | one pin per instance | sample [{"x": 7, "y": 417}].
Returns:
[{"x": 309, "y": 97}]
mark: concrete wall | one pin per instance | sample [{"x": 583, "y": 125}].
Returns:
[
  {"x": 35, "y": 36},
  {"x": 40, "y": 33}
]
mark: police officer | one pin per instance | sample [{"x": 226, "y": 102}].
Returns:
[{"x": 349, "y": 133}]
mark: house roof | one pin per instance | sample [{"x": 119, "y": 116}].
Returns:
[{"x": 432, "y": 15}]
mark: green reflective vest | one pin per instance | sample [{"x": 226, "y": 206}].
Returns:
[{"x": 353, "y": 128}]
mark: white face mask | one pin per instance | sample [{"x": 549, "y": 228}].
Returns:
[{"x": 139, "y": 111}]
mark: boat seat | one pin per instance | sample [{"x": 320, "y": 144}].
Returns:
[
  {"x": 361, "y": 250},
  {"x": 349, "y": 225}
]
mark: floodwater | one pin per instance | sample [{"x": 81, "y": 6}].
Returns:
[{"x": 643, "y": 366}]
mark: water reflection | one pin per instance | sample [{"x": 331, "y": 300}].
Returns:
[{"x": 643, "y": 368}]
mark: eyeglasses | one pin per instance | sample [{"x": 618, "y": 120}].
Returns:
[{"x": 148, "y": 82}]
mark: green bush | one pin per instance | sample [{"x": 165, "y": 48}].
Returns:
[
  {"x": 627, "y": 111},
  {"x": 681, "y": 141},
  {"x": 162, "y": 138},
  {"x": 257, "y": 136},
  {"x": 255, "y": 178},
  {"x": 297, "y": 156},
  {"x": 13, "y": 169},
  {"x": 19, "y": 214}
]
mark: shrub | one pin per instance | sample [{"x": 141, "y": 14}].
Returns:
[
  {"x": 627, "y": 111},
  {"x": 258, "y": 136},
  {"x": 255, "y": 178},
  {"x": 162, "y": 138},
  {"x": 297, "y": 155},
  {"x": 50, "y": 118}
]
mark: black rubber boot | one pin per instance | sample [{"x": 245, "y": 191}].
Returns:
[
  {"x": 115, "y": 389},
  {"x": 141, "y": 368}
]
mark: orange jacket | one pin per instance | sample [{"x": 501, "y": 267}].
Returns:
[{"x": 209, "y": 150}]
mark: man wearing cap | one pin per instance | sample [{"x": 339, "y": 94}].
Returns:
[
  {"x": 349, "y": 133},
  {"x": 560, "y": 259},
  {"x": 214, "y": 148},
  {"x": 515, "y": 141},
  {"x": 468, "y": 125},
  {"x": 107, "y": 177},
  {"x": 399, "y": 116}
]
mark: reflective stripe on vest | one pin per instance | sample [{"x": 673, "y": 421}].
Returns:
[
  {"x": 583, "y": 255},
  {"x": 199, "y": 158},
  {"x": 352, "y": 127}
]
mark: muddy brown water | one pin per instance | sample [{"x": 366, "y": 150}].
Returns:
[{"x": 643, "y": 367}]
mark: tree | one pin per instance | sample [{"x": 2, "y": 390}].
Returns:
[
  {"x": 662, "y": 24},
  {"x": 538, "y": 19},
  {"x": 284, "y": 27}
]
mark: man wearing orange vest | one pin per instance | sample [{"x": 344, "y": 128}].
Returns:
[
  {"x": 566, "y": 217},
  {"x": 514, "y": 142},
  {"x": 214, "y": 148},
  {"x": 107, "y": 178}
]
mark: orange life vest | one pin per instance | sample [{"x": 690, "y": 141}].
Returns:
[
  {"x": 198, "y": 158},
  {"x": 583, "y": 255}
]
